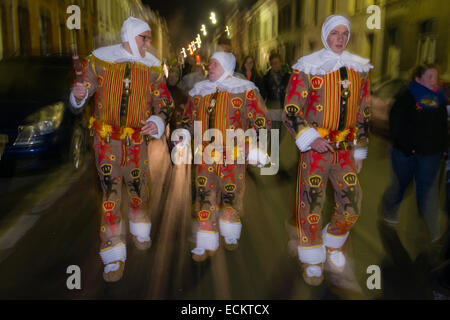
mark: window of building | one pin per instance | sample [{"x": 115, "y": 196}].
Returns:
[
  {"x": 265, "y": 31},
  {"x": 62, "y": 37},
  {"x": 316, "y": 13},
  {"x": 393, "y": 54},
  {"x": 351, "y": 7},
  {"x": 371, "y": 40},
  {"x": 280, "y": 21},
  {"x": 284, "y": 19},
  {"x": 5, "y": 43},
  {"x": 250, "y": 31},
  {"x": 274, "y": 30},
  {"x": 427, "y": 42},
  {"x": 289, "y": 53},
  {"x": 45, "y": 33},
  {"x": 393, "y": 36},
  {"x": 298, "y": 13},
  {"x": 257, "y": 31},
  {"x": 358, "y": 5},
  {"x": 24, "y": 31},
  {"x": 254, "y": 30}
]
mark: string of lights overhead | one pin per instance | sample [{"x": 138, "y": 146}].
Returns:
[{"x": 196, "y": 44}]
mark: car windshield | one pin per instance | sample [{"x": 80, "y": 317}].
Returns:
[{"x": 35, "y": 79}]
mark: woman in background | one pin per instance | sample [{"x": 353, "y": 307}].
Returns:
[
  {"x": 248, "y": 69},
  {"x": 418, "y": 124}
]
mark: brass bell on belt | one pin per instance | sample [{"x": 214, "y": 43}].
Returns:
[
  {"x": 346, "y": 93},
  {"x": 127, "y": 141}
]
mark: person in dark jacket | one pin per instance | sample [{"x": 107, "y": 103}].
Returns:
[
  {"x": 178, "y": 95},
  {"x": 418, "y": 124},
  {"x": 274, "y": 89},
  {"x": 248, "y": 69}
]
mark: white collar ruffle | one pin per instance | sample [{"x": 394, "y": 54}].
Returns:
[
  {"x": 116, "y": 53},
  {"x": 326, "y": 61},
  {"x": 230, "y": 84}
]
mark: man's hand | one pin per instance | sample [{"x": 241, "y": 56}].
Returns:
[
  {"x": 79, "y": 91},
  {"x": 149, "y": 128},
  {"x": 358, "y": 165},
  {"x": 321, "y": 145}
]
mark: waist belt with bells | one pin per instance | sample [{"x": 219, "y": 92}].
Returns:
[{"x": 108, "y": 132}]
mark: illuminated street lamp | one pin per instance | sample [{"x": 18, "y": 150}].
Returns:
[
  {"x": 203, "y": 29},
  {"x": 212, "y": 17},
  {"x": 198, "y": 41},
  {"x": 191, "y": 48},
  {"x": 183, "y": 52}
]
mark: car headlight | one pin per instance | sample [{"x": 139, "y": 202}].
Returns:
[{"x": 40, "y": 123}]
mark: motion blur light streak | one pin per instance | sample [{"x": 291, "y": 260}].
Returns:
[
  {"x": 212, "y": 17},
  {"x": 170, "y": 248},
  {"x": 221, "y": 278}
]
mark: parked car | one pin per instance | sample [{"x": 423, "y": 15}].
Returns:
[
  {"x": 382, "y": 98},
  {"x": 37, "y": 127}
]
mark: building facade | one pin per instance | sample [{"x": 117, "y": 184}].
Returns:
[
  {"x": 38, "y": 27},
  {"x": 410, "y": 32}
]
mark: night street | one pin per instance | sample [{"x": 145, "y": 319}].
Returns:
[
  {"x": 99, "y": 100},
  {"x": 59, "y": 228}
]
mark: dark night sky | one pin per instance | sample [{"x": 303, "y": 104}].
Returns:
[{"x": 185, "y": 17}]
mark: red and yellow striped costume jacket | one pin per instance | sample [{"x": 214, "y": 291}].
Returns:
[
  {"x": 313, "y": 101},
  {"x": 243, "y": 110},
  {"x": 147, "y": 91}
]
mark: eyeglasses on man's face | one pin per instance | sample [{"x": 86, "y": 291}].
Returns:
[{"x": 145, "y": 38}]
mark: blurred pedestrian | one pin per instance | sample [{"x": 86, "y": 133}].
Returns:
[
  {"x": 224, "y": 44},
  {"x": 130, "y": 104},
  {"x": 251, "y": 73},
  {"x": 327, "y": 112},
  {"x": 187, "y": 65},
  {"x": 188, "y": 81},
  {"x": 179, "y": 97},
  {"x": 418, "y": 126},
  {"x": 161, "y": 169},
  {"x": 274, "y": 89}
]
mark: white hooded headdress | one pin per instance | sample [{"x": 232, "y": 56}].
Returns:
[
  {"x": 227, "y": 82},
  {"x": 131, "y": 28},
  {"x": 325, "y": 60},
  {"x": 227, "y": 61},
  {"x": 332, "y": 22}
]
